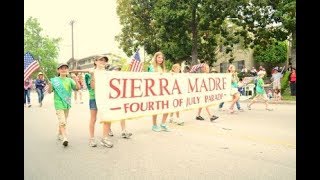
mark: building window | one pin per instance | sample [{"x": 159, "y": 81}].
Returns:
[{"x": 238, "y": 64}]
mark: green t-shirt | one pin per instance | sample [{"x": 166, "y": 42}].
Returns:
[
  {"x": 151, "y": 69},
  {"x": 69, "y": 85},
  {"x": 87, "y": 78},
  {"x": 259, "y": 88}
]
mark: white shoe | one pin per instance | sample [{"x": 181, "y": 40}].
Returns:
[
  {"x": 179, "y": 122},
  {"x": 92, "y": 142}
]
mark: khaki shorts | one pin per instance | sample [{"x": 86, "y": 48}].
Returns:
[
  {"x": 234, "y": 91},
  {"x": 261, "y": 96},
  {"x": 62, "y": 115},
  {"x": 276, "y": 85}
]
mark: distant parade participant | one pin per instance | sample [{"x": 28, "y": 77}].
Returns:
[
  {"x": 40, "y": 84},
  {"x": 62, "y": 86},
  {"x": 261, "y": 93},
  {"x": 27, "y": 89}
]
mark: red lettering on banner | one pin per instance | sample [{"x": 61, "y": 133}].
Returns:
[
  {"x": 190, "y": 86},
  {"x": 176, "y": 86},
  {"x": 149, "y": 88},
  {"x": 133, "y": 88},
  {"x": 116, "y": 89},
  {"x": 163, "y": 87},
  {"x": 206, "y": 84},
  {"x": 203, "y": 84},
  {"x": 145, "y": 106}
]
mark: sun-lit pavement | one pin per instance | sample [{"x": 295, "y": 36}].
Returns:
[{"x": 255, "y": 144}]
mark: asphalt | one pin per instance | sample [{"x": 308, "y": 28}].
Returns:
[{"x": 254, "y": 144}]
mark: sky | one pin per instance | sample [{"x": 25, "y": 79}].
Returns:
[{"x": 96, "y": 25}]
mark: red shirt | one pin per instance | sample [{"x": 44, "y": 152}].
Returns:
[{"x": 293, "y": 77}]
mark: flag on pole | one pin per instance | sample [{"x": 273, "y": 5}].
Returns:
[
  {"x": 136, "y": 64},
  {"x": 30, "y": 65},
  {"x": 196, "y": 67}
]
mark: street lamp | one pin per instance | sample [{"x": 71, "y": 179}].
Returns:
[{"x": 71, "y": 23}]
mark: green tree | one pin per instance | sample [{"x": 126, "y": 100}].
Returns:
[
  {"x": 43, "y": 48},
  {"x": 178, "y": 28},
  {"x": 264, "y": 20},
  {"x": 272, "y": 54}
]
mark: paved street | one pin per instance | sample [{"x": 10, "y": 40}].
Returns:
[{"x": 255, "y": 144}]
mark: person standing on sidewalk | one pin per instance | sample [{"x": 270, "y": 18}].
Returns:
[
  {"x": 62, "y": 87},
  {"x": 27, "y": 89}
]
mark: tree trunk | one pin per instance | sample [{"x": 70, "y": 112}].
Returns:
[{"x": 194, "y": 24}]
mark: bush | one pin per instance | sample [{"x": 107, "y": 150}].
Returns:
[{"x": 285, "y": 81}]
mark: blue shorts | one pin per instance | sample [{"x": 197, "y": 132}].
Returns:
[{"x": 93, "y": 104}]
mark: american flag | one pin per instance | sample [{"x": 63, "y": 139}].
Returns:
[
  {"x": 196, "y": 67},
  {"x": 30, "y": 65},
  {"x": 136, "y": 64},
  {"x": 46, "y": 88}
]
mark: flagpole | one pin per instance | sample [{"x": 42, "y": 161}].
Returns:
[{"x": 44, "y": 74}]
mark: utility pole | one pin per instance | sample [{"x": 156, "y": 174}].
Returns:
[{"x": 71, "y": 23}]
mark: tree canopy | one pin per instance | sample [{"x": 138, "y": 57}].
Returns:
[{"x": 43, "y": 48}]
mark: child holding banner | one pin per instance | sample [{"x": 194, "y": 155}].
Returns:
[
  {"x": 124, "y": 134},
  {"x": 99, "y": 65},
  {"x": 62, "y": 87},
  {"x": 205, "y": 69},
  {"x": 176, "y": 69},
  {"x": 158, "y": 65}
]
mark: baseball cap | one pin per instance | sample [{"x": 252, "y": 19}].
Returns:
[
  {"x": 114, "y": 68},
  {"x": 40, "y": 73},
  {"x": 62, "y": 64},
  {"x": 101, "y": 56}
]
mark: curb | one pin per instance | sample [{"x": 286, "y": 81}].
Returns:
[{"x": 274, "y": 102}]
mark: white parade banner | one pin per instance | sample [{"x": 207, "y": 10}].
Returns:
[{"x": 127, "y": 95}]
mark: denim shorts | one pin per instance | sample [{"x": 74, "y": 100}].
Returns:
[{"x": 92, "y": 104}]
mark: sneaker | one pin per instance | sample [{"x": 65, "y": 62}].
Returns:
[
  {"x": 269, "y": 109},
  {"x": 40, "y": 104},
  {"x": 92, "y": 142},
  {"x": 171, "y": 120},
  {"x": 241, "y": 110},
  {"x": 164, "y": 127},
  {"x": 156, "y": 128},
  {"x": 248, "y": 107},
  {"x": 106, "y": 142},
  {"x": 179, "y": 122},
  {"x": 81, "y": 102},
  {"x": 29, "y": 105},
  {"x": 199, "y": 118},
  {"x": 110, "y": 133},
  {"x": 213, "y": 118},
  {"x": 125, "y": 134},
  {"x": 65, "y": 142},
  {"x": 59, "y": 137}
]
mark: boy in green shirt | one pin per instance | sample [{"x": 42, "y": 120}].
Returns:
[
  {"x": 62, "y": 86},
  {"x": 261, "y": 93}
]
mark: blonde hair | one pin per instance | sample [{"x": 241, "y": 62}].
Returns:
[
  {"x": 175, "y": 66},
  {"x": 155, "y": 64}
]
